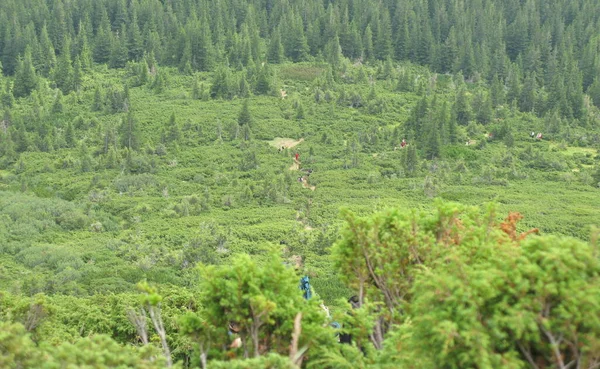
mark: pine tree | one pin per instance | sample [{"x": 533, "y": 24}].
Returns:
[
  {"x": 57, "y": 107},
  {"x": 77, "y": 74},
  {"x": 383, "y": 40},
  {"x": 594, "y": 91},
  {"x": 221, "y": 84},
  {"x": 368, "y": 44},
  {"x": 129, "y": 132},
  {"x": 8, "y": 99},
  {"x": 47, "y": 54},
  {"x": 264, "y": 81},
  {"x": 25, "y": 78},
  {"x": 497, "y": 92},
  {"x": 85, "y": 163},
  {"x": 196, "y": 92},
  {"x": 462, "y": 110},
  {"x": 70, "y": 135},
  {"x": 333, "y": 52},
  {"x": 245, "y": 118},
  {"x": 103, "y": 40},
  {"x": 432, "y": 147},
  {"x": 275, "y": 51},
  {"x": 98, "y": 103},
  {"x": 449, "y": 53},
  {"x": 411, "y": 161},
  {"x": 174, "y": 134},
  {"x": 135, "y": 42},
  {"x": 528, "y": 98},
  {"x": 118, "y": 51},
  {"x": 63, "y": 73}
]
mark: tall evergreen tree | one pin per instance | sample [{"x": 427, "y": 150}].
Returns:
[
  {"x": 462, "y": 109},
  {"x": 275, "y": 51},
  {"x": 25, "y": 77},
  {"x": 47, "y": 55},
  {"x": 174, "y": 133},
  {"x": 63, "y": 73},
  {"x": 245, "y": 118},
  {"x": 129, "y": 132}
]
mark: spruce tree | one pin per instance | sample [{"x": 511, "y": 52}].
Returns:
[
  {"x": 411, "y": 161},
  {"x": 245, "y": 118},
  {"x": 47, "y": 54},
  {"x": 118, "y": 51},
  {"x": 57, "y": 106},
  {"x": 174, "y": 134},
  {"x": 25, "y": 78},
  {"x": 129, "y": 132},
  {"x": 594, "y": 91},
  {"x": 70, "y": 135},
  {"x": 63, "y": 73},
  {"x": 98, "y": 102},
  {"x": 462, "y": 110},
  {"x": 8, "y": 99},
  {"x": 275, "y": 51}
]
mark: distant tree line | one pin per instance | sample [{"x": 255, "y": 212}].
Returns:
[{"x": 546, "y": 52}]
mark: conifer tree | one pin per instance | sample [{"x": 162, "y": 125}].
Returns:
[
  {"x": 57, "y": 107},
  {"x": 129, "y": 132},
  {"x": 411, "y": 161},
  {"x": 174, "y": 134},
  {"x": 196, "y": 92},
  {"x": 594, "y": 91},
  {"x": 98, "y": 102},
  {"x": 275, "y": 51},
  {"x": 118, "y": 51},
  {"x": 8, "y": 99},
  {"x": 462, "y": 110},
  {"x": 367, "y": 42},
  {"x": 70, "y": 135},
  {"x": 63, "y": 73},
  {"x": 135, "y": 42},
  {"x": 25, "y": 78},
  {"x": 47, "y": 53},
  {"x": 383, "y": 41},
  {"x": 528, "y": 98},
  {"x": 245, "y": 118}
]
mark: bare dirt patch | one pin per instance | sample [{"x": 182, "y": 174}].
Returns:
[{"x": 288, "y": 143}]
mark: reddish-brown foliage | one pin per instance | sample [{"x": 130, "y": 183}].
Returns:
[{"x": 509, "y": 226}]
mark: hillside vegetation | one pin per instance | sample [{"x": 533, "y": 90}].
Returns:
[{"x": 151, "y": 196}]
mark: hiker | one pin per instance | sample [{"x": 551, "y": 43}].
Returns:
[
  {"x": 233, "y": 330},
  {"x": 297, "y": 157},
  {"x": 305, "y": 286},
  {"x": 403, "y": 143},
  {"x": 539, "y": 136},
  {"x": 532, "y": 134},
  {"x": 308, "y": 172},
  {"x": 300, "y": 179}
]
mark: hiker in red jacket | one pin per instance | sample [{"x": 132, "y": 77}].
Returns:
[{"x": 297, "y": 157}]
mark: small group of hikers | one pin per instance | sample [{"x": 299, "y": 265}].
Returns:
[
  {"x": 304, "y": 178},
  {"x": 537, "y": 137}
]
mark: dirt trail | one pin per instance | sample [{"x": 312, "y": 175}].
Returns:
[
  {"x": 288, "y": 143},
  {"x": 296, "y": 165}
]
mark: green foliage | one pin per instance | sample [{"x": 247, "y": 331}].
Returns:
[{"x": 143, "y": 164}]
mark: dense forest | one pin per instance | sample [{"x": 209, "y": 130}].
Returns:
[{"x": 299, "y": 184}]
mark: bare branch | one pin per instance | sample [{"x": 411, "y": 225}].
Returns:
[
  {"x": 294, "y": 357},
  {"x": 527, "y": 355}
]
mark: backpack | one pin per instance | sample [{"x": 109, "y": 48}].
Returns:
[{"x": 305, "y": 286}]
